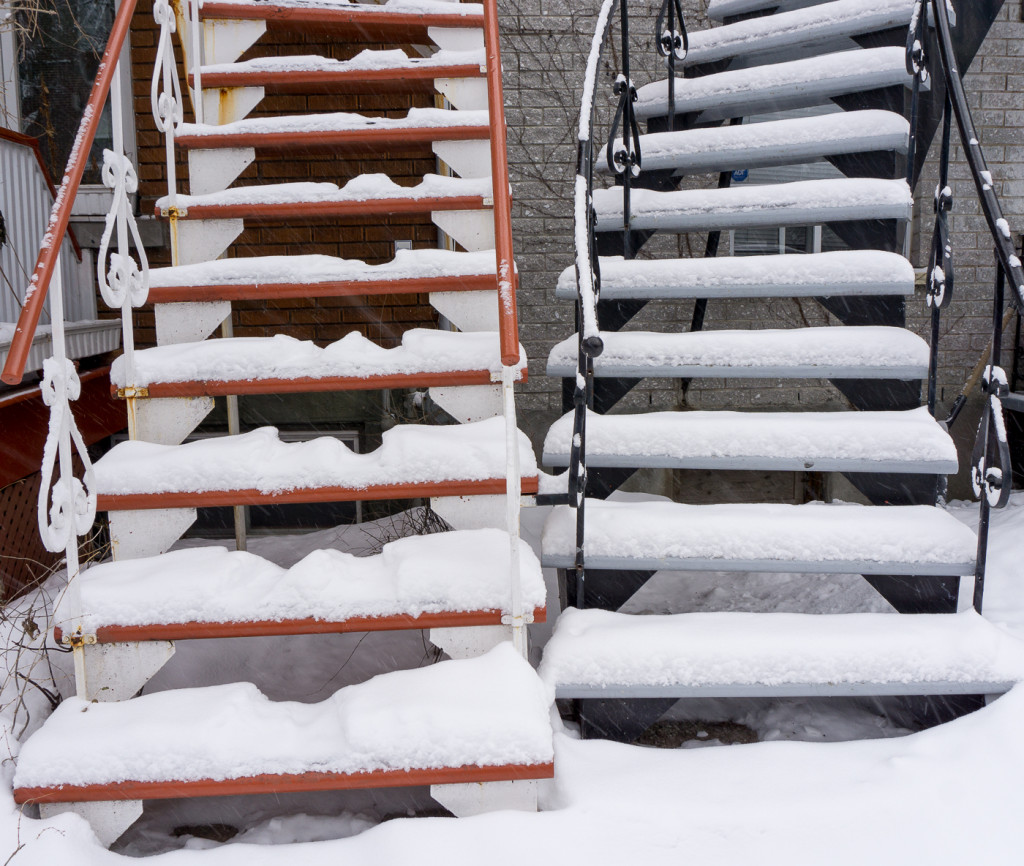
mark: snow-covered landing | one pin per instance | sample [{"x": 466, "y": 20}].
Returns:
[
  {"x": 449, "y": 572},
  {"x": 718, "y": 10},
  {"x": 860, "y": 272},
  {"x": 312, "y": 269},
  {"x": 491, "y": 711},
  {"x": 596, "y": 653},
  {"x": 246, "y": 359},
  {"x": 314, "y": 124},
  {"x": 364, "y": 188},
  {"x": 410, "y": 454},
  {"x": 788, "y": 30},
  {"x": 780, "y": 86},
  {"x": 815, "y": 538},
  {"x": 774, "y": 142},
  {"x": 805, "y": 202},
  {"x": 901, "y": 441},
  {"x": 365, "y": 61},
  {"x": 868, "y": 352}
]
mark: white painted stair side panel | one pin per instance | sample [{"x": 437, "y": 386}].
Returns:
[
  {"x": 465, "y": 94},
  {"x": 473, "y": 229},
  {"x": 477, "y": 798},
  {"x": 196, "y": 241},
  {"x": 188, "y": 322},
  {"x": 215, "y": 170},
  {"x": 117, "y": 671},
  {"x": 465, "y": 158},
  {"x": 224, "y": 41},
  {"x": 467, "y": 403},
  {"x": 228, "y": 104},
  {"x": 109, "y": 819},
  {"x": 468, "y": 311},
  {"x": 457, "y": 38},
  {"x": 134, "y": 534},
  {"x": 169, "y": 420}
]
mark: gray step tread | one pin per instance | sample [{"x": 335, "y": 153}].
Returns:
[
  {"x": 813, "y": 538},
  {"x": 788, "y": 29},
  {"x": 807, "y": 202},
  {"x": 779, "y": 86},
  {"x": 597, "y": 653},
  {"x": 859, "y": 272},
  {"x": 869, "y": 352},
  {"x": 776, "y": 142},
  {"x": 908, "y": 441}
]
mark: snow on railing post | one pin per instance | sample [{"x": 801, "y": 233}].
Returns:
[
  {"x": 124, "y": 285},
  {"x": 166, "y": 103},
  {"x": 67, "y": 508}
]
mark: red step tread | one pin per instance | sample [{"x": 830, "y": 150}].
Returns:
[
  {"x": 416, "y": 79},
  {"x": 339, "y": 289},
  {"x": 203, "y": 630},
  {"x": 220, "y": 498},
  {"x": 336, "y": 209},
  {"x": 281, "y": 783},
  {"x": 360, "y": 24},
  {"x": 343, "y": 141},
  {"x": 307, "y": 385}
]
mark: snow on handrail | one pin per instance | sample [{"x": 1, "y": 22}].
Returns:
[{"x": 60, "y": 215}]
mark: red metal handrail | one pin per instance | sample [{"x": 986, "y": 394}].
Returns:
[
  {"x": 508, "y": 326},
  {"x": 60, "y": 214}
]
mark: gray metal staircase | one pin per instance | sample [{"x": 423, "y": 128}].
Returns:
[{"x": 768, "y": 59}]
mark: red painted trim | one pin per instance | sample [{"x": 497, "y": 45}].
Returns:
[
  {"x": 17, "y": 357},
  {"x": 204, "y": 630},
  {"x": 338, "y": 140},
  {"x": 33, "y": 144},
  {"x": 338, "y": 289},
  {"x": 220, "y": 498},
  {"x": 414, "y": 79},
  {"x": 308, "y": 385},
  {"x": 508, "y": 319},
  {"x": 355, "y": 23},
  {"x": 24, "y": 421},
  {"x": 280, "y": 784},
  {"x": 316, "y": 210}
]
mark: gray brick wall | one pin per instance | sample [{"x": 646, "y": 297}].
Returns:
[{"x": 545, "y": 43}]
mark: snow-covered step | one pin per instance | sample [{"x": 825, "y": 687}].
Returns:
[
  {"x": 859, "y": 272},
  {"x": 601, "y": 654},
  {"x": 779, "y": 86},
  {"x": 444, "y": 580},
  {"x": 797, "y": 28},
  {"x": 814, "y": 538},
  {"x": 473, "y": 720},
  {"x": 403, "y": 21},
  {"x": 340, "y": 132},
  {"x": 365, "y": 195},
  {"x": 411, "y": 271},
  {"x": 775, "y": 142},
  {"x": 270, "y": 365},
  {"x": 902, "y": 441},
  {"x": 368, "y": 72},
  {"x": 718, "y": 10},
  {"x": 257, "y": 467},
  {"x": 806, "y": 202},
  {"x": 869, "y": 352}
]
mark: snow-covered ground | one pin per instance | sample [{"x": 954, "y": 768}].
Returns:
[{"x": 948, "y": 795}]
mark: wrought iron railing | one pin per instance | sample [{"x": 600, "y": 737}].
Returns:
[{"x": 991, "y": 473}]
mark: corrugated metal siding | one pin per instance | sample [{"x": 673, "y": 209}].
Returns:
[{"x": 25, "y": 201}]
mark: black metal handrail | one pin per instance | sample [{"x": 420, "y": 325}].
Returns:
[{"x": 991, "y": 473}]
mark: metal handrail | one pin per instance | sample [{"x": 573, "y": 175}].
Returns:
[{"x": 60, "y": 215}]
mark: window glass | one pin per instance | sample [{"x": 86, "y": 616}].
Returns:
[{"x": 58, "y": 58}]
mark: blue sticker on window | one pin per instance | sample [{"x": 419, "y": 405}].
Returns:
[{"x": 740, "y": 176}]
